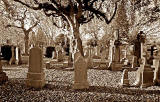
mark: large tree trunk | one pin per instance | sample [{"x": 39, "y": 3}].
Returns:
[
  {"x": 79, "y": 41},
  {"x": 26, "y": 39}
]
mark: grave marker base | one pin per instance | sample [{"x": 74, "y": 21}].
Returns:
[
  {"x": 35, "y": 80},
  {"x": 116, "y": 66},
  {"x": 81, "y": 85}
]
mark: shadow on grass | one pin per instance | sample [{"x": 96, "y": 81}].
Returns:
[
  {"x": 67, "y": 87},
  {"x": 102, "y": 89}
]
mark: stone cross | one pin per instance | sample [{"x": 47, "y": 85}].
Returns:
[
  {"x": 35, "y": 75},
  {"x": 152, "y": 50},
  {"x": 151, "y": 57}
]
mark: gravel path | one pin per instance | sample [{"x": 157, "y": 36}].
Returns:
[{"x": 104, "y": 87}]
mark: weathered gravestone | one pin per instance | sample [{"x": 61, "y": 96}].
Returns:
[
  {"x": 80, "y": 72},
  {"x": 35, "y": 75},
  {"x": 3, "y": 77},
  {"x": 59, "y": 56},
  {"x": 145, "y": 75},
  {"x": 124, "y": 59},
  {"x": 116, "y": 64},
  {"x": 124, "y": 80},
  {"x": 138, "y": 81},
  {"x": 138, "y": 47}
]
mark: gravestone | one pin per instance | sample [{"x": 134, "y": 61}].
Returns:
[
  {"x": 18, "y": 56},
  {"x": 3, "y": 77},
  {"x": 59, "y": 56},
  {"x": 80, "y": 73},
  {"x": 124, "y": 80},
  {"x": 110, "y": 56},
  {"x": 156, "y": 65},
  {"x": 124, "y": 59},
  {"x": 145, "y": 75},
  {"x": 13, "y": 57},
  {"x": 59, "y": 53},
  {"x": 116, "y": 65},
  {"x": 138, "y": 80},
  {"x": 35, "y": 75},
  {"x": 138, "y": 47},
  {"x": 150, "y": 61}
]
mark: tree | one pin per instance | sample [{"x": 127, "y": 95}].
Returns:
[
  {"x": 73, "y": 12},
  {"x": 21, "y": 20},
  {"x": 121, "y": 21}
]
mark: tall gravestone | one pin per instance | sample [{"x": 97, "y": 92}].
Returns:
[
  {"x": 35, "y": 75},
  {"x": 3, "y": 77},
  {"x": 116, "y": 64},
  {"x": 80, "y": 72},
  {"x": 138, "y": 47}
]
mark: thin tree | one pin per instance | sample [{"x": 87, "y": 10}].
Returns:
[{"x": 22, "y": 26}]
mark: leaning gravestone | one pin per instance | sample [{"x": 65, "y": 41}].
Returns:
[
  {"x": 36, "y": 75},
  {"x": 145, "y": 75},
  {"x": 80, "y": 73},
  {"x": 3, "y": 77},
  {"x": 138, "y": 81}
]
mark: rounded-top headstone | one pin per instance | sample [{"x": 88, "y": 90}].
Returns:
[{"x": 35, "y": 60}]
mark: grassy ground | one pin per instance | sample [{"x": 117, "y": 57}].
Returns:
[{"x": 104, "y": 87}]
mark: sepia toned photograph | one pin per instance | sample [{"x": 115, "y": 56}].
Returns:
[{"x": 79, "y": 50}]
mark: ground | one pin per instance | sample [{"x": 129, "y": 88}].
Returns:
[{"x": 104, "y": 87}]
